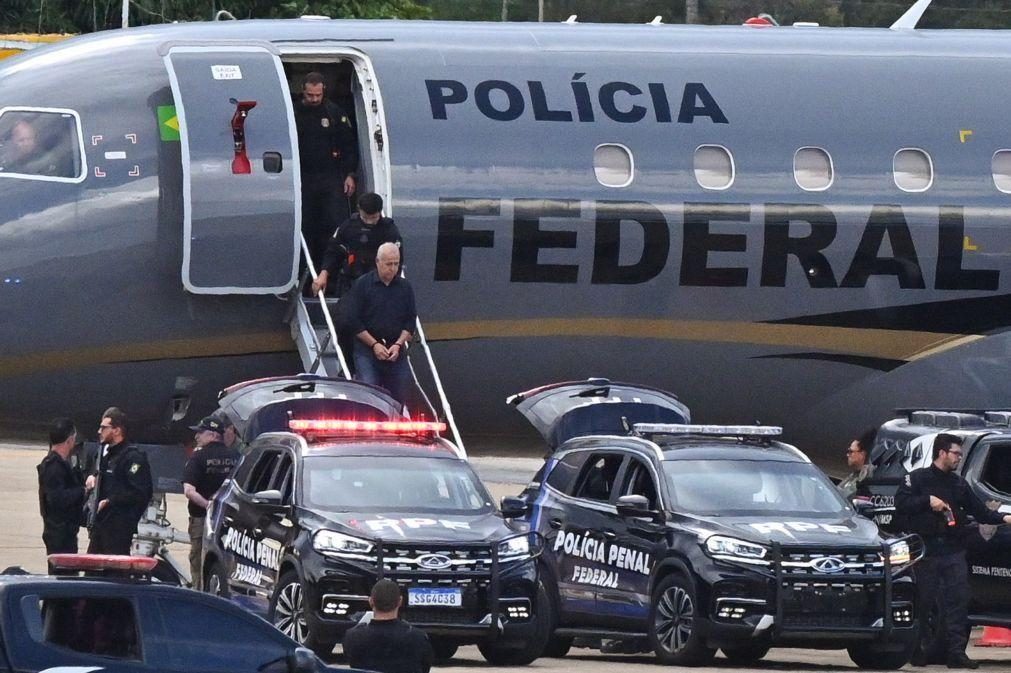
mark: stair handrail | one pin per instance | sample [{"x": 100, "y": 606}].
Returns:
[
  {"x": 444, "y": 401},
  {"x": 326, "y": 311}
]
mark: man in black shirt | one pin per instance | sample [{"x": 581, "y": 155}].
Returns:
[
  {"x": 328, "y": 153},
  {"x": 61, "y": 491},
  {"x": 935, "y": 502},
  {"x": 351, "y": 252},
  {"x": 211, "y": 463},
  {"x": 122, "y": 487},
  {"x": 387, "y": 643},
  {"x": 381, "y": 314}
]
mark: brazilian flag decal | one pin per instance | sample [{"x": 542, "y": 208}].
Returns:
[{"x": 168, "y": 122}]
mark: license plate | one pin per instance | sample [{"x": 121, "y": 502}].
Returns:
[{"x": 444, "y": 598}]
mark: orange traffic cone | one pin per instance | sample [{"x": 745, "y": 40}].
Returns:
[{"x": 995, "y": 636}]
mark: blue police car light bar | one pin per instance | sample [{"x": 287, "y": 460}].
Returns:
[
  {"x": 386, "y": 427},
  {"x": 719, "y": 430}
]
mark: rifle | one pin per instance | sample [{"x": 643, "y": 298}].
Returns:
[{"x": 92, "y": 505}]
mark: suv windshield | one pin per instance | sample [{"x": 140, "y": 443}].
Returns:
[
  {"x": 392, "y": 483},
  {"x": 745, "y": 487}
]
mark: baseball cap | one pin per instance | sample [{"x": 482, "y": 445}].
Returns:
[{"x": 209, "y": 423}]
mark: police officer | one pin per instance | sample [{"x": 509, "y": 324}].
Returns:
[
  {"x": 211, "y": 463},
  {"x": 122, "y": 488},
  {"x": 61, "y": 491},
  {"x": 328, "y": 151},
  {"x": 934, "y": 501},
  {"x": 387, "y": 643},
  {"x": 858, "y": 459},
  {"x": 351, "y": 251}
]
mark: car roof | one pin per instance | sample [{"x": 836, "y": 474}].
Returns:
[
  {"x": 729, "y": 448},
  {"x": 379, "y": 448}
]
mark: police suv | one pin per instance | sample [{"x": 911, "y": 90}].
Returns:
[
  {"x": 905, "y": 443},
  {"x": 691, "y": 538},
  {"x": 352, "y": 492},
  {"x": 121, "y": 622}
]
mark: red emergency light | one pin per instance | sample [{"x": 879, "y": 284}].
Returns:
[
  {"x": 102, "y": 562},
  {"x": 384, "y": 427},
  {"x": 759, "y": 22}
]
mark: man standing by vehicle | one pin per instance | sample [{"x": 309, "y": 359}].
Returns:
[
  {"x": 328, "y": 152},
  {"x": 61, "y": 491},
  {"x": 381, "y": 314},
  {"x": 211, "y": 463},
  {"x": 387, "y": 643},
  {"x": 936, "y": 502},
  {"x": 858, "y": 459},
  {"x": 123, "y": 487}
]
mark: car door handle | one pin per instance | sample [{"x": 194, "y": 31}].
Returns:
[
  {"x": 609, "y": 535},
  {"x": 258, "y": 532},
  {"x": 229, "y": 520},
  {"x": 555, "y": 523}
]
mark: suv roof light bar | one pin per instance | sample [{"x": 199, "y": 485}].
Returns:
[
  {"x": 103, "y": 562},
  {"x": 383, "y": 427},
  {"x": 715, "y": 430}
]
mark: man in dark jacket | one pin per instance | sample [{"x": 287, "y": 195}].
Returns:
[
  {"x": 936, "y": 502},
  {"x": 386, "y": 643},
  {"x": 211, "y": 463},
  {"x": 123, "y": 488},
  {"x": 328, "y": 152},
  {"x": 61, "y": 491}
]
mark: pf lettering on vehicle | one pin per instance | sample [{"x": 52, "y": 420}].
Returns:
[
  {"x": 649, "y": 520},
  {"x": 313, "y": 516}
]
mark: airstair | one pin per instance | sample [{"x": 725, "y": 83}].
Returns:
[{"x": 315, "y": 333}]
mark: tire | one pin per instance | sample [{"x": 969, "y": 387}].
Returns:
[
  {"x": 745, "y": 653},
  {"x": 287, "y": 614},
  {"x": 521, "y": 653},
  {"x": 165, "y": 574},
  {"x": 876, "y": 657},
  {"x": 558, "y": 647},
  {"x": 216, "y": 581},
  {"x": 672, "y": 632},
  {"x": 443, "y": 649}
]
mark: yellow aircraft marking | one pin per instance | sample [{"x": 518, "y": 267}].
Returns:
[
  {"x": 964, "y": 134},
  {"x": 968, "y": 245}
]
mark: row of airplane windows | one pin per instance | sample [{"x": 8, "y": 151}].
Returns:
[{"x": 912, "y": 168}]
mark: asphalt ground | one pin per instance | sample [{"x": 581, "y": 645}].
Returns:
[{"x": 21, "y": 544}]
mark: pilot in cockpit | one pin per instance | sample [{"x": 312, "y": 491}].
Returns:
[{"x": 26, "y": 150}]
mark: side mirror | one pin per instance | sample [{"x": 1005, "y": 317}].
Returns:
[
  {"x": 633, "y": 505},
  {"x": 864, "y": 507},
  {"x": 301, "y": 660},
  {"x": 269, "y": 497},
  {"x": 512, "y": 507}
]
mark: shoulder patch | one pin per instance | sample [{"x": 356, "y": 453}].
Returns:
[{"x": 134, "y": 468}]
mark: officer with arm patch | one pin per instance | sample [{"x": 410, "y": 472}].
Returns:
[
  {"x": 124, "y": 488},
  {"x": 936, "y": 502}
]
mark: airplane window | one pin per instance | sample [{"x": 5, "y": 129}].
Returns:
[
  {"x": 1001, "y": 167},
  {"x": 812, "y": 169},
  {"x": 613, "y": 165},
  {"x": 40, "y": 145},
  {"x": 714, "y": 167},
  {"x": 913, "y": 170}
]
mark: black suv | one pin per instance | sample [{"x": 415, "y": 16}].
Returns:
[
  {"x": 314, "y": 516},
  {"x": 127, "y": 624},
  {"x": 905, "y": 443},
  {"x": 692, "y": 538}
]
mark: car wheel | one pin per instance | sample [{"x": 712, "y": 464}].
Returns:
[
  {"x": 672, "y": 632},
  {"x": 881, "y": 657},
  {"x": 216, "y": 581},
  {"x": 523, "y": 652},
  {"x": 443, "y": 649},
  {"x": 745, "y": 653},
  {"x": 558, "y": 647},
  {"x": 287, "y": 613}
]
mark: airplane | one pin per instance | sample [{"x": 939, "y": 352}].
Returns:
[{"x": 800, "y": 226}]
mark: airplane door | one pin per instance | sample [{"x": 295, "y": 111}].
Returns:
[{"x": 241, "y": 187}]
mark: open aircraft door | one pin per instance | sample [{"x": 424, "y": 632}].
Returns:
[{"x": 241, "y": 186}]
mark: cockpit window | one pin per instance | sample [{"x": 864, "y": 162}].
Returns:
[
  {"x": 41, "y": 145},
  {"x": 750, "y": 487}
]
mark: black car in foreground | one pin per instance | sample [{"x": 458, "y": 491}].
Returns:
[
  {"x": 122, "y": 622},
  {"x": 905, "y": 443},
  {"x": 314, "y": 516},
  {"x": 689, "y": 538}
]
